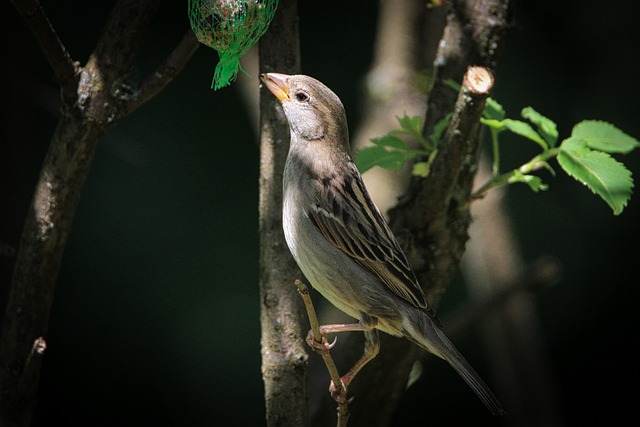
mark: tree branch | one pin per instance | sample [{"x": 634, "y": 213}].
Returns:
[
  {"x": 284, "y": 357},
  {"x": 431, "y": 212},
  {"x": 90, "y": 105},
  {"x": 53, "y": 49},
  {"x": 165, "y": 73}
]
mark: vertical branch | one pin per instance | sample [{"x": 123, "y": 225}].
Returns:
[
  {"x": 284, "y": 358},
  {"x": 476, "y": 34},
  {"x": 37, "y": 264}
]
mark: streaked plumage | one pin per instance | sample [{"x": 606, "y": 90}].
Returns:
[{"x": 338, "y": 237}]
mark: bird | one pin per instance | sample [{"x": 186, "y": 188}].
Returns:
[{"x": 340, "y": 240}]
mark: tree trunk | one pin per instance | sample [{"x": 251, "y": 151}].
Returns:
[
  {"x": 284, "y": 356},
  {"x": 93, "y": 98}
]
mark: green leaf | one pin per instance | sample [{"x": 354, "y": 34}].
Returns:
[
  {"x": 390, "y": 141},
  {"x": 493, "y": 123},
  {"x": 534, "y": 182},
  {"x": 516, "y": 126},
  {"x": 439, "y": 129},
  {"x": 410, "y": 124},
  {"x": 603, "y": 136},
  {"x": 379, "y": 156},
  {"x": 525, "y": 129},
  {"x": 597, "y": 170},
  {"x": 493, "y": 110},
  {"x": 546, "y": 127},
  {"x": 452, "y": 84},
  {"x": 421, "y": 169}
]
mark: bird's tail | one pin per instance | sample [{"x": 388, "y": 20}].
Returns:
[{"x": 433, "y": 339}]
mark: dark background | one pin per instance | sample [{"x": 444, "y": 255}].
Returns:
[{"x": 156, "y": 317}]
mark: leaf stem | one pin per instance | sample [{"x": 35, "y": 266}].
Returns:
[
  {"x": 539, "y": 161},
  {"x": 496, "y": 152},
  {"x": 534, "y": 164}
]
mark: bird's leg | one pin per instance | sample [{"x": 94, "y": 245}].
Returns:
[
  {"x": 367, "y": 325},
  {"x": 321, "y": 344},
  {"x": 371, "y": 349}
]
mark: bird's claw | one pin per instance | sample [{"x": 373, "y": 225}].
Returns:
[
  {"x": 321, "y": 346},
  {"x": 339, "y": 394}
]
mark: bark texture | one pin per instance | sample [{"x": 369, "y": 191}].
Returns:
[
  {"x": 284, "y": 355},
  {"x": 93, "y": 97}
]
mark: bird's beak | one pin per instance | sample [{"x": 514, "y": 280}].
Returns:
[{"x": 276, "y": 83}]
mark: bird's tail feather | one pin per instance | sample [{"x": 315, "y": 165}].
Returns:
[{"x": 435, "y": 341}]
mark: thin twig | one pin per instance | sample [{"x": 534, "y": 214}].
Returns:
[
  {"x": 53, "y": 49},
  {"x": 165, "y": 73},
  {"x": 343, "y": 404}
]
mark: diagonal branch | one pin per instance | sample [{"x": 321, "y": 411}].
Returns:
[
  {"x": 165, "y": 73},
  {"x": 53, "y": 49},
  {"x": 476, "y": 33}
]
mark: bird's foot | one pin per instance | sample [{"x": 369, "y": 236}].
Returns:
[
  {"x": 339, "y": 394},
  {"x": 321, "y": 346}
]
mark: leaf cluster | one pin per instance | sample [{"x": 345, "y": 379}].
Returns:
[
  {"x": 585, "y": 155},
  {"x": 390, "y": 151}
]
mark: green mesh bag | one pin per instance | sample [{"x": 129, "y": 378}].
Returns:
[{"x": 230, "y": 27}]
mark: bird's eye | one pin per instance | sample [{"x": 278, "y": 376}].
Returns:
[{"x": 302, "y": 97}]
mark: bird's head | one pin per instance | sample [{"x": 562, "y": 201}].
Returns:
[{"x": 314, "y": 112}]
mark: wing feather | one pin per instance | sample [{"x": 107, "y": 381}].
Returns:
[{"x": 346, "y": 216}]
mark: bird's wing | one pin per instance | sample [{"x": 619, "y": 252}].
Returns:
[{"x": 346, "y": 216}]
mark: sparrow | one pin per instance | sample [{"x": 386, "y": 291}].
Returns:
[{"x": 341, "y": 242}]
